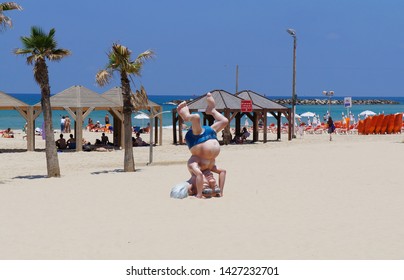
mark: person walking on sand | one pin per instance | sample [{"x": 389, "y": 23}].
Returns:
[
  {"x": 331, "y": 127},
  {"x": 62, "y": 124},
  {"x": 202, "y": 141}
]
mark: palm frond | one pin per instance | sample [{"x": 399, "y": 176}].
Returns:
[
  {"x": 140, "y": 99},
  {"x": 135, "y": 67},
  {"x": 7, "y": 6},
  {"x": 144, "y": 56},
  {"x": 31, "y": 59},
  {"x": 103, "y": 77},
  {"x": 5, "y": 21},
  {"x": 120, "y": 56},
  {"x": 58, "y": 54},
  {"x": 21, "y": 51},
  {"x": 41, "y": 45}
]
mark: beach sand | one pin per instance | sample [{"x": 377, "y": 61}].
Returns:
[{"x": 303, "y": 199}]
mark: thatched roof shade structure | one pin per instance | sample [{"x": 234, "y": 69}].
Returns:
[
  {"x": 268, "y": 106},
  {"x": 226, "y": 103},
  {"x": 115, "y": 95},
  {"x": 79, "y": 102},
  {"x": 8, "y": 102}
]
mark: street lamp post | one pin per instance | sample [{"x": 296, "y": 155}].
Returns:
[
  {"x": 329, "y": 94},
  {"x": 293, "y": 34}
]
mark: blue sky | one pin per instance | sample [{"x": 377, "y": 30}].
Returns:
[{"x": 355, "y": 48}]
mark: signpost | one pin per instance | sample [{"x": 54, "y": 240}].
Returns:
[
  {"x": 347, "y": 104},
  {"x": 246, "y": 106}
]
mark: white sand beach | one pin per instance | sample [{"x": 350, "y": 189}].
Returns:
[{"x": 303, "y": 199}]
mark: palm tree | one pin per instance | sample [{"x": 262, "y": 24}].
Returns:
[
  {"x": 5, "y": 20},
  {"x": 120, "y": 61},
  {"x": 38, "y": 47}
]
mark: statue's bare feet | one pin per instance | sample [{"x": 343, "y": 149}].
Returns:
[
  {"x": 183, "y": 110},
  {"x": 211, "y": 103}
]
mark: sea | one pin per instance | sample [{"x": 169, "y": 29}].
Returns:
[{"x": 12, "y": 118}]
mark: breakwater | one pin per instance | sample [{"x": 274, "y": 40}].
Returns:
[{"x": 319, "y": 101}]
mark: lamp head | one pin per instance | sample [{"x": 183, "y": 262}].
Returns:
[{"x": 291, "y": 32}]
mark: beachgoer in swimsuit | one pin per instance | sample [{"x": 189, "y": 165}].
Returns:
[{"x": 202, "y": 141}]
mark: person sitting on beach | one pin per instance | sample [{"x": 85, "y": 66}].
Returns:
[
  {"x": 104, "y": 139},
  {"x": 71, "y": 142},
  {"x": 145, "y": 129},
  {"x": 138, "y": 141},
  {"x": 96, "y": 127},
  {"x": 244, "y": 134},
  {"x": 61, "y": 143},
  {"x": 202, "y": 140},
  {"x": 237, "y": 139},
  {"x": 90, "y": 124},
  {"x": 8, "y": 133}
]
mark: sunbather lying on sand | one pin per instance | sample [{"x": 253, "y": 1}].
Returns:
[{"x": 8, "y": 133}]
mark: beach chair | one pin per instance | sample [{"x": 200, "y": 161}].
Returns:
[
  {"x": 366, "y": 124},
  {"x": 398, "y": 123},
  {"x": 372, "y": 124},
  {"x": 390, "y": 124},
  {"x": 361, "y": 127},
  {"x": 379, "y": 124},
  {"x": 308, "y": 129},
  {"x": 383, "y": 128},
  {"x": 353, "y": 128},
  {"x": 319, "y": 129}
]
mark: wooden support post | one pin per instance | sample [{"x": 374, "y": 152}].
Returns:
[
  {"x": 78, "y": 128},
  {"x": 238, "y": 122},
  {"x": 180, "y": 122},
  {"x": 255, "y": 127},
  {"x": 291, "y": 128},
  {"x": 278, "y": 124},
  {"x": 174, "y": 118},
  {"x": 265, "y": 126}
]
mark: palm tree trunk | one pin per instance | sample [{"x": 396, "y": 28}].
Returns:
[
  {"x": 129, "y": 162},
  {"x": 52, "y": 161}
]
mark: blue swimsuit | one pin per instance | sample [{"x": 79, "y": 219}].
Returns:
[{"x": 207, "y": 134}]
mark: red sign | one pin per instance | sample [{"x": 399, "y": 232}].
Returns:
[{"x": 246, "y": 106}]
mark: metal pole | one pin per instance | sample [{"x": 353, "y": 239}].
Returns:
[
  {"x": 293, "y": 113},
  {"x": 294, "y": 88},
  {"x": 151, "y": 139},
  {"x": 237, "y": 78},
  {"x": 329, "y": 104}
]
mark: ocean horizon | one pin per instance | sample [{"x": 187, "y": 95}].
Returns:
[{"x": 12, "y": 118}]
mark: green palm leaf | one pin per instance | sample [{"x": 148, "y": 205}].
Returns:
[{"x": 41, "y": 45}]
